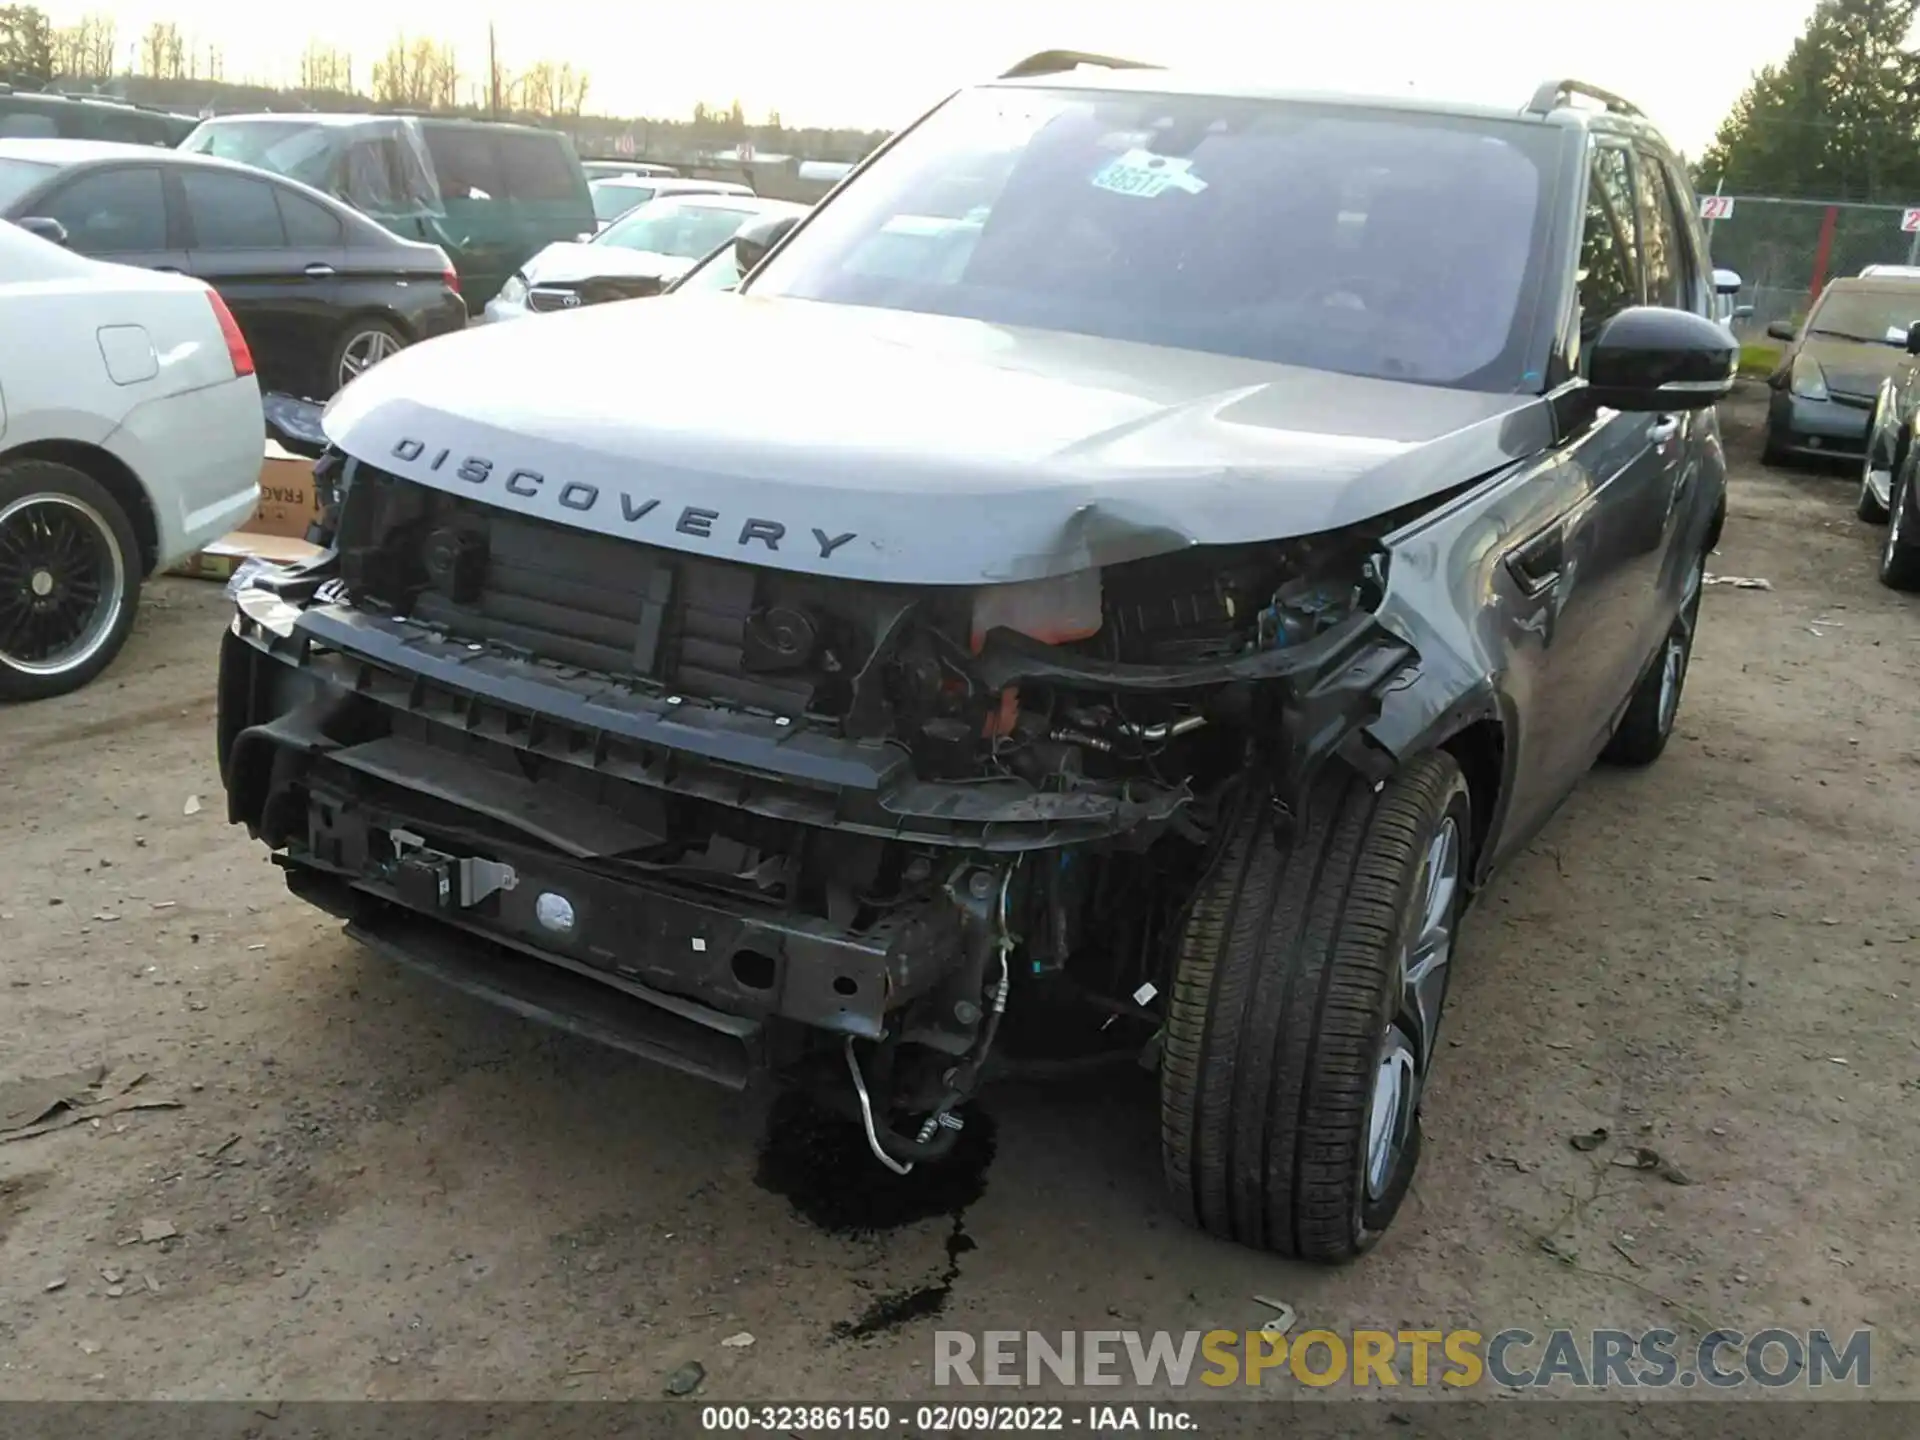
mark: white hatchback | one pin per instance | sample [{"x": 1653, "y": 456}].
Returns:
[{"x": 130, "y": 435}]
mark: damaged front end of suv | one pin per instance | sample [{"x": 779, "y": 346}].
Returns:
[
  {"x": 749, "y": 821},
  {"x": 1110, "y": 583}
]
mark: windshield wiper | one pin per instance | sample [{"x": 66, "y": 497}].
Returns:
[{"x": 1845, "y": 335}]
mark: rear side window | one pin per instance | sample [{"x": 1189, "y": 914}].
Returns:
[
  {"x": 1609, "y": 244},
  {"x": 126, "y": 127},
  {"x": 111, "y": 212},
  {"x": 309, "y": 225},
  {"x": 464, "y": 164},
  {"x": 537, "y": 167},
  {"x": 27, "y": 125},
  {"x": 1659, "y": 238},
  {"x": 231, "y": 212}
]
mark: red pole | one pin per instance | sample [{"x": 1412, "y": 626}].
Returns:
[{"x": 1823, "y": 253}]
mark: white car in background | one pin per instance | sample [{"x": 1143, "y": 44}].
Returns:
[
  {"x": 639, "y": 255},
  {"x": 130, "y": 435},
  {"x": 615, "y": 195}
]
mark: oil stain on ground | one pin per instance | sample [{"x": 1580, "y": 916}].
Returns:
[{"x": 819, "y": 1161}]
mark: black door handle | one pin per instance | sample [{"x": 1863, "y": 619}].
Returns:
[{"x": 1535, "y": 566}]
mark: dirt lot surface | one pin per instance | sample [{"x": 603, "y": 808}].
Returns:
[{"x": 372, "y": 1187}]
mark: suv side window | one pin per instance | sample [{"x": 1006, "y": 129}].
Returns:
[
  {"x": 112, "y": 212},
  {"x": 1609, "y": 245},
  {"x": 464, "y": 164},
  {"x": 232, "y": 212},
  {"x": 536, "y": 168},
  {"x": 1660, "y": 245},
  {"x": 1689, "y": 255}
]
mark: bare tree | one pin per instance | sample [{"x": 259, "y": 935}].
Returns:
[
  {"x": 550, "y": 88},
  {"x": 417, "y": 75},
  {"x": 326, "y": 67},
  {"x": 84, "y": 50},
  {"x": 163, "y": 54}
]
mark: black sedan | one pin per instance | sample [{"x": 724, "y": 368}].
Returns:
[{"x": 320, "y": 291}]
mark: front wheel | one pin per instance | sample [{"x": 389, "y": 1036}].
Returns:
[
  {"x": 69, "y": 579},
  {"x": 1900, "y": 550},
  {"x": 1306, "y": 1004}
]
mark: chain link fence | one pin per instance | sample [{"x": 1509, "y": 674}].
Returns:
[{"x": 1785, "y": 251}]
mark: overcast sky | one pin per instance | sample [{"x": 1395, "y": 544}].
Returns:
[{"x": 876, "y": 63}]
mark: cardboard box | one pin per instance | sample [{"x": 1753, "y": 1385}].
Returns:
[
  {"x": 287, "y": 501},
  {"x": 277, "y": 530},
  {"x": 219, "y": 560}
]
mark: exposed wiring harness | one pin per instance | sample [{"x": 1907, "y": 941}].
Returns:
[{"x": 941, "y": 1129}]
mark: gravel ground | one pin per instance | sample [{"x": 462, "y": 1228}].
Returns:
[{"x": 371, "y": 1187}]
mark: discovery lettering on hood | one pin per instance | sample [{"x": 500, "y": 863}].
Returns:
[{"x": 580, "y": 496}]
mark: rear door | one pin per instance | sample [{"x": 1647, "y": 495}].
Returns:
[
  {"x": 481, "y": 234},
  {"x": 549, "y": 190},
  {"x": 283, "y": 295},
  {"x": 117, "y": 213},
  {"x": 1586, "y": 576}
]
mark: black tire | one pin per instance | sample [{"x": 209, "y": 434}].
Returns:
[
  {"x": 1286, "y": 984},
  {"x": 1900, "y": 548},
  {"x": 1644, "y": 730},
  {"x": 91, "y": 548},
  {"x": 1772, "y": 452},
  {"x": 360, "y": 335}
]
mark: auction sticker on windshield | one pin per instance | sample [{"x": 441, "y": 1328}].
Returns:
[{"x": 1142, "y": 173}]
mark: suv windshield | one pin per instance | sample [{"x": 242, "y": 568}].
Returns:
[
  {"x": 1375, "y": 242},
  {"x": 674, "y": 227},
  {"x": 1878, "y": 316}
]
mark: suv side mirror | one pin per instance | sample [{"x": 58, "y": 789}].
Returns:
[
  {"x": 1781, "y": 329},
  {"x": 45, "y": 227},
  {"x": 1726, "y": 282},
  {"x": 754, "y": 240},
  {"x": 1653, "y": 358}
]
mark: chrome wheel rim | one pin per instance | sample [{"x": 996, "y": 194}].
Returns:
[
  {"x": 1896, "y": 508},
  {"x": 364, "y": 351},
  {"x": 62, "y": 584},
  {"x": 1407, "y": 1043}
]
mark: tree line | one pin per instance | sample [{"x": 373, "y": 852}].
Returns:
[
  {"x": 1837, "y": 119},
  {"x": 164, "y": 66}
]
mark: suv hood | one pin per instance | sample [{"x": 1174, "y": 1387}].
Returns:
[
  {"x": 891, "y": 446},
  {"x": 566, "y": 262}
]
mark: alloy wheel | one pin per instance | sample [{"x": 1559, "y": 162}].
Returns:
[
  {"x": 62, "y": 583},
  {"x": 1679, "y": 650},
  {"x": 364, "y": 351},
  {"x": 1408, "y": 1041}
]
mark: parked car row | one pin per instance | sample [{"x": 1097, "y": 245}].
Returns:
[
  {"x": 640, "y": 254},
  {"x": 166, "y": 289},
  {"x": 320, "y": 290}
]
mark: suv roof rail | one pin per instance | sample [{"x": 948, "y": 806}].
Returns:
[
  {"x": 1058, "y": 62},
  {"x": 1554, "y": 93}
]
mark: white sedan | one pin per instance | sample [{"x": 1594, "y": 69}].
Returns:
[
  {"x": 640, "y": 254},
  {"x": 130, "y": 435}
]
